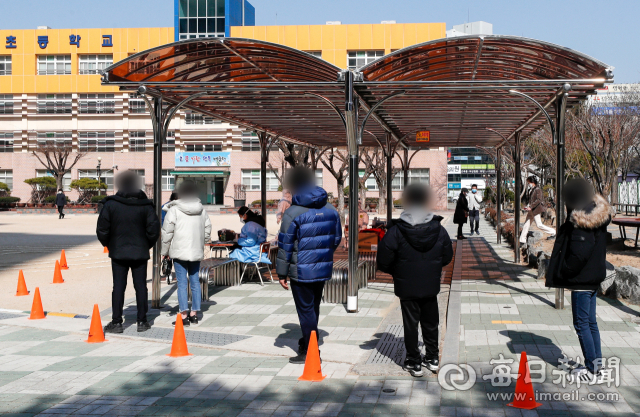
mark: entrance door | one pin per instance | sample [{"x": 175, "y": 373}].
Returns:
[
  {"x": 202, "y": 191},
  {"x": 217, "y": 190}
]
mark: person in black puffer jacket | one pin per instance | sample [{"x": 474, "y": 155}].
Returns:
[
  {"x": 462, "y": 212},
  {"x": 578, "y": 263},
  {"x": 413, "y": 251},
  {"x": 129, "y": 227}
]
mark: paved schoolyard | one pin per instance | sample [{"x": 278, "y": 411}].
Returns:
[{"x": 239, "y": 364}]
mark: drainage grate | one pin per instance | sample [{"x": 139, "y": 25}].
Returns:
[
  {"x": 4, "y": 316},
  {"x": 204, "y": 338},
  {"x": 390, "y": 348}
]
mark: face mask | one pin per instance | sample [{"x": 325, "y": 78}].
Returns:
[{"x": 474, "y": 191}]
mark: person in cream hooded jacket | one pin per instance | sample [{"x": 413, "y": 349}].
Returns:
[{"x": 185, "y": 231}]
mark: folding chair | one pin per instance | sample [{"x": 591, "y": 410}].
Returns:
[{"x": 264, "y": 248}]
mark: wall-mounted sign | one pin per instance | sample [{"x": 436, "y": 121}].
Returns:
[
  {"x": 203, "y": 159},
  {"x": 423, "y": 136},
  {"x": 454, "y": 185},
  {"x": 454, "y": 169}
]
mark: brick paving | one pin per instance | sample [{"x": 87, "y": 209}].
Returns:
[{"x": 47, "y": 370}]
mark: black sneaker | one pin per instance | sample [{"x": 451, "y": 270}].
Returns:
[
  {"x": 185, "y": 322},
  {"x": 143, "y": 326},
  {"x": 193, "y": 319},
  {"x": 300, "y": 358},
  {"x": 113, "y": 328},
  {"x": 415, "y": 369},
  {"x": 553, "y": 237},
  {"x": 431, "y": 364}
]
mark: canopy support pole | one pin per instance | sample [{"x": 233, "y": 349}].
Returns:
[
  {"x": 262, "y": 137},
  {"x": 518, "y": 190},
  {"x": 351, "y": 118},
  {"x": 160, "y": 118},
  {"x": 158, "y": 136},
  {"x": 499, "y": 195},
  {"x": 561, "y": 107},
  {"x": 389, "y": 154},
  {"x": 405, "y": 166}
]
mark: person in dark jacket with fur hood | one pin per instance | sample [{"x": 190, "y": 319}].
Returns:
[
  {"x": 128, "y": 226},
  {"x": 578, "y": 263},
  {"x": 462, "y": 212},
  {"x": 413, "y": 251}
]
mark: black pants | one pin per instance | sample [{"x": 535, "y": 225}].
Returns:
[
  {"x": 459, "y": 229},
  {"x": 120, "y": 271},
  {"x": 423, "y": 311},
  {"x": 474, "y": 217},
  {"x": 60, "y": 213},
  {"x": 307, "y": 297}
]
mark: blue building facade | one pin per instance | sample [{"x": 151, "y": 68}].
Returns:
[{"x": 210, "y": 18}]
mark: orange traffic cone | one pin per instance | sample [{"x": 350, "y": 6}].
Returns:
[
  {"x": 63, "y": 261},
  {"x": 312, "y": 368},
  {"x": 524, "y": 397},
  {"x": 57, "y": 275},
  {"x": 22, "y": 286},
  {"x": 179, "y": 344},
  {"x": 37, "y": 312},
  {"x": 96, "y": 334},
  {"x": 105, "y": 250}
]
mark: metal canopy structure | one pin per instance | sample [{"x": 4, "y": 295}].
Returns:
[{"x": 466, "y": 91}]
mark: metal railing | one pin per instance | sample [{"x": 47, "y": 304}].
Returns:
[{"x": 336, "y": 289}]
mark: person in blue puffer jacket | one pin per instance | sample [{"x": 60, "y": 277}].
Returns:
[
  {"x": 309, "y": 235},
  {"x": 252, "y": 235}
]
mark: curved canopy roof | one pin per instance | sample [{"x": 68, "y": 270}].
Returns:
[{"x": 456, "y": 87}]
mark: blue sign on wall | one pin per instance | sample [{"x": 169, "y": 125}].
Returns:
[
  {"x": 203, "y": 159},
  {"x": 454, "y": 186}
]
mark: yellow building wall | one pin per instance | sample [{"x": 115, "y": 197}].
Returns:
[
  {"x": 335, "y": 41},
  {"x": 24, "y": 57}
]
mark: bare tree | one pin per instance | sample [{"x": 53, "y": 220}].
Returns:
[
  {"x": 58, "y": 158},
  {"x": 336, "y": 161},
  {"x": 365, "y": 153},
  {"x": 378, "y": 163}
]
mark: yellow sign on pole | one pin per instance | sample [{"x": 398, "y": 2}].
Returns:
[{"x": 423, "y": 136}]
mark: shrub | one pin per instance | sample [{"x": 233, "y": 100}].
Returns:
[
  {"x": 97, "y": 198},
  {"x": 345, "y": 190},
  {"x": 87, "y": 187},
  {"x": 397, "y": 203},
  {"x": 4, "y": 190},
  {"x": 41, "y": 188},
  {"x": 9, "y": 200},
  {"x": 52, "y": 199},
  {"x": 259, "y": 202}
]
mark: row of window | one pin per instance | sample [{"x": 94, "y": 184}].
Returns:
[{"x": 189, "y": 28}]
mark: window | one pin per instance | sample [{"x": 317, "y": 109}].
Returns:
[
  {"x": 106, "y": 176},
  {"x": 96, "y": 141},
  {"x": 54, "y": 64},
  {"x": 6, "y": 176},
  {"x": 209, "y": 147},
  {"x": 136, "y": 105},
  {"x": 140, "y": 173},
  {"x": 6, "y": 142},
  {"x": 169, "y": 144},
  {"x": 200, "y": 119},
  {"x": 66, "y": 179},
  {"x": 415, "y": 176},
  {"x": 5, "y": 64},
  {"x": 420, "y": 175},
  {"x": 250, "y": 141},
  {"x": 319, "y": 177},
  {"x": 97, "y": 103},
  {"x": 168, "y": 180},
  {"x": 251, "y": 178},
  {"x": 54, "y": 103},
  {"x": 317, "y": 54},
  {"x": 201, "y": 18},
  {"x": 358, "y": 59},
  {"x": 94, "y": 64},
  {"x": 6, "y": 103},
  {"x": 57, "y": 139},
  {"x": 137, "y": 141}
]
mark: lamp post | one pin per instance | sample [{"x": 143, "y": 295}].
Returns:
[{"x": 99, "y": 172}]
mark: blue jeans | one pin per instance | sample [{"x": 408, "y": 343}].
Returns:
[
  {"x": 190, "y": 268},
  {"x": 583, "y": 307}
]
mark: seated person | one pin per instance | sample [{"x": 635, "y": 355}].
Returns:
[{"x": 251, "y": 236}]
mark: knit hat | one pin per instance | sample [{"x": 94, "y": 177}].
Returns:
[{"x": 577, "y": 193}]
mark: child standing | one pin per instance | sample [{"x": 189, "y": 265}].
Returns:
[{"x": 413, "y": 251}]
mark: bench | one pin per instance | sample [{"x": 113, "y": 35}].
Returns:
[{"x": 336, "y": 289}]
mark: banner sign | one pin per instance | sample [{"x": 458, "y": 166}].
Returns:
[
  {"x": 423, "y": 136},
  {"x": 454, "y": 169},
  {"x": 454, "y": 185},
  {"x": 203, "y": 159}
]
